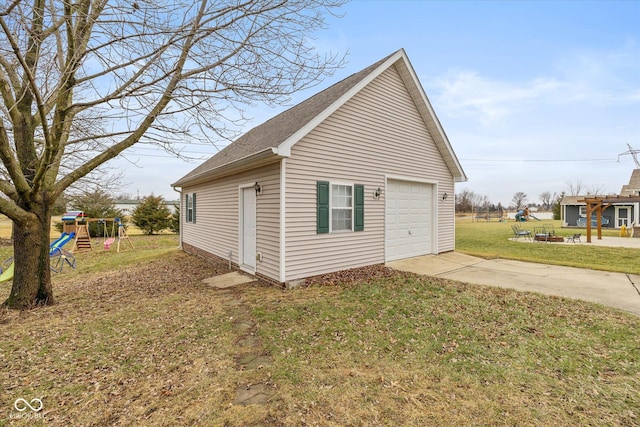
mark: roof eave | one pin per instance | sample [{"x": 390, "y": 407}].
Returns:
[
  {"x": 286, "y": 145},
  {"x": 422, "y": 102},
  {"x": 431, "y": 119},
  {"x": 283, "y": 149},
  {"x": 262, "y": 158}
]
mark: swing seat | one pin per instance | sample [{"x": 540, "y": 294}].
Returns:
[{"x": 108, "y": 243}]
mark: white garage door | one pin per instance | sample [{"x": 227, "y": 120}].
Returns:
[{"x": 409, "y": 219}]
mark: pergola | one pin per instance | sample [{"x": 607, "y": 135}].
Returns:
[{"x": 598, "y": 204}]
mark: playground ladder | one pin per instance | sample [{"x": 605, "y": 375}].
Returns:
[{"x": 83, "y": 241}]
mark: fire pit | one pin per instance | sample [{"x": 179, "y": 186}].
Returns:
[{"x": 548, "y": 238}]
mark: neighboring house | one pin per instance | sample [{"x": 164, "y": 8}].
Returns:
[
  {"x": 574, "y": 209},
  {"x": 128, "y": 206},
  {"x": 358, "y": 174}
]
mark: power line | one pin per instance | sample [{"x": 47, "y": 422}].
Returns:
[{"x": 165, "y": 156}]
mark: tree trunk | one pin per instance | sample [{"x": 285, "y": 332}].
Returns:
[{"x": 32, "y": 274}]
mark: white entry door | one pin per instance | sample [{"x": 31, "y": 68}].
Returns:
[
  {"x": 248, "y": 230},
  {"x": 623, "y": 216},
  {"x": 409, "y": 219}
]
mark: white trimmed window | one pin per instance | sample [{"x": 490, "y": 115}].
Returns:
[
  {"x": 190, "y": 206},
  {"x": 341, "y": 207}
]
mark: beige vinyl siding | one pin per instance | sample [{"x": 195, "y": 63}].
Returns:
[
  {"x": 378, "y": 133},
  {"x": 217, "y": 229}
]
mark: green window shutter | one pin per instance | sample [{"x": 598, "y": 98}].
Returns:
[
  {"x": 194, "y": 207},
  {"x": 322, "y": 207},
  {"x": 358, "y": 224}
]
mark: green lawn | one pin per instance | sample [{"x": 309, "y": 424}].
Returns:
[
  {"x": 137, "y": 339},
  {"x": 417, "y": 351},
  {"x": 491, "y": 240}
]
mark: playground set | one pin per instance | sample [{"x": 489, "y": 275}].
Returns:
[
  {"x": 57, "y": 254},
  {"x": 76, "y": 229},
  {"x": 77, "y": 222},
  {"x": 524, "y": 215}
]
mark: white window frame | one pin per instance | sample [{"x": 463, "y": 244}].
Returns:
[
  {"x": 583, "y": 211},
  {"x": 332, "y": 207},
  {"x": 189, "y": 213},
  {"x": 622, "y": 220}
]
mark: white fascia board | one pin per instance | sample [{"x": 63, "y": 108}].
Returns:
[
  {"x": 281, "y": 151},
  {"x": 285, "y": 147},
  {"x": 433, "y": 121},
  {"x": 251, "y": 161}
]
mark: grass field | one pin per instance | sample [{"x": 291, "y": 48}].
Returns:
[
  {"x": 137, "y": 339},
  {"x": 491, "y": 240}
]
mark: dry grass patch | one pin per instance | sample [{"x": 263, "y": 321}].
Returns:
[
  {"x": 409, "y": 350},
  {"x": 146, "y": 343},
  {"x": 141, "y": 345}
]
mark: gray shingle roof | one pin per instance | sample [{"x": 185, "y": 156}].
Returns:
[
  {"x": 633, "y": 188},
  {"x": 278, "y": 129}
]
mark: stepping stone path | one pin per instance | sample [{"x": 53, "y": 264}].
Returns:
[{"x": 251, "y": 352}]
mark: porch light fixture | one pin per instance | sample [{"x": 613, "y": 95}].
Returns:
[
  {"x": 258, "y": 188},
  {"x": 444, "y": 196},
  {"x": 377, "y": 193}
]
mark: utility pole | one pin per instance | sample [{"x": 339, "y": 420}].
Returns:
[{"x": 633, "y": 153}]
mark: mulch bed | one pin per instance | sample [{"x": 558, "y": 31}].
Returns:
[{"x": 353, "y": 275}]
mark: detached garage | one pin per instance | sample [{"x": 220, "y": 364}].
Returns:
[{"x": 358, "y": 174}]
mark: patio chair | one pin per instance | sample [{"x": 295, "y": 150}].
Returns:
[
  {"x": 59, "y": 257},
  {"x": 574, "y": 238},
  {"x": 518, "y": 232},
  {"x": 549, "y": 229},
  {"x": 541, "y": 234}
]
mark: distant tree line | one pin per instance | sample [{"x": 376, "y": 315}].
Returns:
[{"x": 467, "y": 201}]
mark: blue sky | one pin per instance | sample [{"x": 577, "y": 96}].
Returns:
[{"x": 532, "y": 95}]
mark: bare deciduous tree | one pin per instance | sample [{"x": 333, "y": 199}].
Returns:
[
  {"x": 575, "y": 188},
  {"x": 547, "y": 199},
  {"x": 519, "y": 200},
  {"x": 578, "y": 188},
  {"x": 82, "y": 81},
  {"x": 467, "y": 200}
]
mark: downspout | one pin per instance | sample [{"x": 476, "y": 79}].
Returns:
[
  {"x": 179, "y": 217},
  {"x": 283, "y": 223}
]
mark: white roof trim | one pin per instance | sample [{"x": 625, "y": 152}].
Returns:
[
  {"x": 285, "y": 147},
  {"x": 259, "y": 158},
  {"x": 431, "y": 120}
]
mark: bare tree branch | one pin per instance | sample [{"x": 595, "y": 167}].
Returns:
[{"x": 82, "y": 81}]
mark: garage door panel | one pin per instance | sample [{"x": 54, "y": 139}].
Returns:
[{"x": 409, "y": 219}]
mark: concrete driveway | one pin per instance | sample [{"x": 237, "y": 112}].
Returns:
[{"x": 618, "y": 290}]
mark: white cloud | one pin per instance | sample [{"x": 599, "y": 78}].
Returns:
[
  {"x": 579, "y": 80},
  {"x": 566, "y": 122},
  {"x": 468, "y": 94},
  {"x": 601, "y": 77}
]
